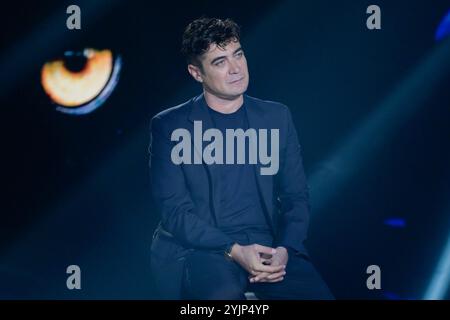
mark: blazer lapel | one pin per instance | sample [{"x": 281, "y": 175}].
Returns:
[{"x": 199, "y": 112}]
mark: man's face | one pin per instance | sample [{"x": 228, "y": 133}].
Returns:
[{"x": 225, "y": 72}]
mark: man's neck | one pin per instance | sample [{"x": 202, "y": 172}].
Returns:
[{"x": 223, "y": 105}]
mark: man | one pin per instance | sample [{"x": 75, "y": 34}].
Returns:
[{"x": 228, "y": 226}]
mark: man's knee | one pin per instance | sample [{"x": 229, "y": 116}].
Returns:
[
  {"x": 302, "y": 282},
  {"x": 212, "y": 276},
  {"x": 167, "y": 279}
]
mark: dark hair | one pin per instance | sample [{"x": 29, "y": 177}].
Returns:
[{"x": 201, "y": 33}]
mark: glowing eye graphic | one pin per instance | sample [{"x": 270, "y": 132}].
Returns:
[{"x": 82, "y": 81}]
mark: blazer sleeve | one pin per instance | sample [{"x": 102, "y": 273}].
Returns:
[
  {"x": 292, "y": 192},
  {"x": 173, "y": 199}
]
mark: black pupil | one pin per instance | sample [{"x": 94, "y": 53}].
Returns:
[{"x": 75, "y": 63}]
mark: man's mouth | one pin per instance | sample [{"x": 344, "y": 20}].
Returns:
[{"x": 235, "y": 81}]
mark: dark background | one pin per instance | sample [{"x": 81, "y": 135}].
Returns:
[{"x": 371, "y": 109}]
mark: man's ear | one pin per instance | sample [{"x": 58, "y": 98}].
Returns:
[{"x": 195, "y": 72}]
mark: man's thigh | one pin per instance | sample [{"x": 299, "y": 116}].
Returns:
[
  {"x": 301, "y": 282},
  {"x": 210, "y": 275}
]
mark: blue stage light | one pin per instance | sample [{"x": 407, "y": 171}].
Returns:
[
  {"x": 443, "y": 29},
  {"x": 441, "y": 277},
  {"x": 395, "y": 222}
]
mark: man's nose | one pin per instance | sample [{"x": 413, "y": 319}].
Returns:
[{"x": 234, "y": 67}]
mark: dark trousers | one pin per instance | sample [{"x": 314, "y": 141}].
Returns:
[{"x": 209, "y": 275}]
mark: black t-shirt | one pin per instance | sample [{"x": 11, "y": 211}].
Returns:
[{"x": 240, "y": 213}]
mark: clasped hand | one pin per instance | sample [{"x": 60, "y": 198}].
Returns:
[{"x": 264, "y": 264}]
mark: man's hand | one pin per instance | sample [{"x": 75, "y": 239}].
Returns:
[
  {"x": 279, "y": 258},
  {"x": 252, "y": 258}
]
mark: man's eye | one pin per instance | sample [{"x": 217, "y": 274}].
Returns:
[
  {"x": 221, "y": 62},
  {"x": 240, "y": 54}
]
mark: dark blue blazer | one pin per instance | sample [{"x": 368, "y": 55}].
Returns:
[{"x": 187, "y": 195}]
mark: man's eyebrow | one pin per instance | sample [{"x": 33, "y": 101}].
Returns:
[{"x": 221, "y": 57}]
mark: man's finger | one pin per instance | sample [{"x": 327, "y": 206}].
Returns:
[
  {"x": 266, "y": 261},
  {"x": 266, "y": 256},
  {"x": 264, "y": 249},
  {"x": 259, "y": 277},
  {"x": 270, "y": 269},
  {"x": 272, "y": 281},
  {"x": 266, "y": 277},
  {"x": 276, "y": 275},
  {"x": 254, "y": 272}
]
